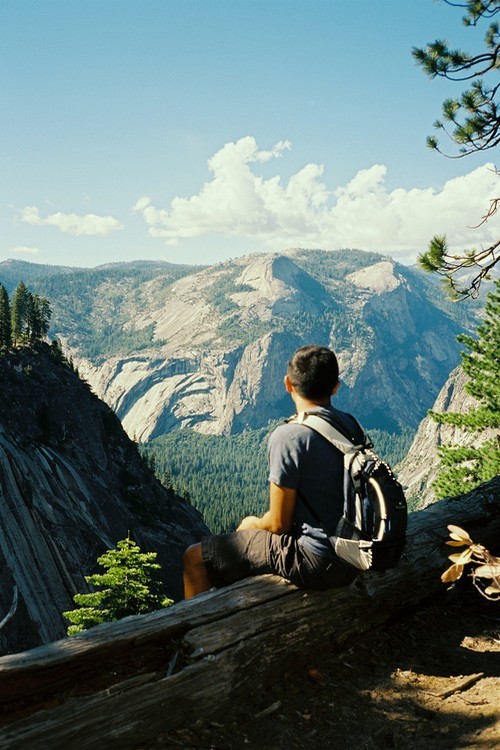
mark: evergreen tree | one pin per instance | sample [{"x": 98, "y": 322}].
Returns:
[
  {"x": 44, "y": 315},
  {"x": 465, "y": 468},
  {"x": 30, "y": 316},
  {"x": 5, "y": 321},
  {"x": 38, "y": 314},
  {"x": 128, "y": 587},
  {"x": 19, "y": 313},
  {"x": 472, "y": 123}
]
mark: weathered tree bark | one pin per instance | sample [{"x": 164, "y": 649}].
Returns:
[{"x": 123, "y": 683}]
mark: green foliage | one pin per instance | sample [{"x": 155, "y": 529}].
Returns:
[
  {"x": 232, "y": 329},
  {"x": 392, "y": 446},
  {"x": 466, "y": 467},
  {"x": 327, "y": 271},
  {"x": 128, "y": 587},
  {"x": 461, "y": 274},
  {"x": 19, "y": 309},
  {"x": 30, "y": 316},
  {"x": 223, "y": 286},
  {"x": 95, "y": 308},
  {"x": 5, "y": 319},
  {"x": 38, "y": 314},
  {"x": 58, "y": 355},
  {"x": 472, "y": 117},
  {"x": 114, "y": 339},
  {"x": 220, "y": 297},
  {"x": 472, "y": 123},
  {"x": 225, "y": 477},
  {"x": 331, "y": 268}
]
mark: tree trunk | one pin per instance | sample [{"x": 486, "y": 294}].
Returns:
[{"x": 123, "y": 683}]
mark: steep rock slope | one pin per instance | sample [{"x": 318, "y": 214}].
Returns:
[
  {"x": 421, "y": 466},
  {"x": 223, "y": 337},
  {"x": 71, "y": 485}
]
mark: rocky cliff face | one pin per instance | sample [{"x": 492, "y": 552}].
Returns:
[
  {"x": 421, "y": 466},
  {"x": 222, "y": 338},
  {"x": 72, "y": 484}
]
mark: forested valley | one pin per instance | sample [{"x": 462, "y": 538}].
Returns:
[{"x": 225, "y": 477}]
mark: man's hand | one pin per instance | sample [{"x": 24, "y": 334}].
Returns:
[{"x": 249, "y": 522}]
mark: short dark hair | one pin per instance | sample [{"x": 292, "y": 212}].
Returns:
[{"x": 314, "y": 372}]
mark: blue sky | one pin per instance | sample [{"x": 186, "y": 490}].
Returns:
[{"x": 197, "y": 130}]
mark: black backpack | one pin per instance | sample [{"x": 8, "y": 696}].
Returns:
[{"x": 371, "y": 534}]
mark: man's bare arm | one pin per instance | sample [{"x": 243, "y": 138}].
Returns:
[{"x": 278, "y": 519}]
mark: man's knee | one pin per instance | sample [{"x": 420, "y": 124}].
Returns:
[
  {"x": 196, "y": 576},
  {"x": 192, "y": 557}
]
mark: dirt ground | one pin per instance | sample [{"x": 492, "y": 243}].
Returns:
[{"x": 400, "y": 687}]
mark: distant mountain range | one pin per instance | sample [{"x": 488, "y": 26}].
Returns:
[{"x": 170, "y": 346}]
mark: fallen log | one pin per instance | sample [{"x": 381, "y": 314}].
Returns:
[{"x": 121, "y": 684}]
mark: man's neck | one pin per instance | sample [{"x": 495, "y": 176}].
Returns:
[{"x": 304, "y": 404}]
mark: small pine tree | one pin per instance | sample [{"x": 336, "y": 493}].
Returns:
[
  {"x": 128, "y": 587},
  {"x": 466, "y": 467}
]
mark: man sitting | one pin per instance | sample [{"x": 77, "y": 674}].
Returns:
[{"x": 306, "y": 484}]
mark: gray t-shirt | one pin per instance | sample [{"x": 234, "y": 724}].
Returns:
[{"x": 301, "y": 459}]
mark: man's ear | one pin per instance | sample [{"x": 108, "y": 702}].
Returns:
[
  {"x": 335, "y": 388},
  {"x": 288, "y": 384}
]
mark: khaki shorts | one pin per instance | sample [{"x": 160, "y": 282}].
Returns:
[{"x": 232, "y": 557}]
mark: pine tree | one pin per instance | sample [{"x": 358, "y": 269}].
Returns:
[
  {"x": 38, "y": 314},
  {"x": 30, "y": 316},
  {"x": 471, "y": 121},
  {"x": 19, "y": 313},
  {"x": 466, "y": 467},
  {"x": 5, "y": 321},
  {"x": 44, "y": 315},
  {"x": 128, "y": 587}
]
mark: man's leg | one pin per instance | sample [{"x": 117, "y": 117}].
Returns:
[
  {"x": 220, "y": 560},
  {"x": 196, "y": 577}
]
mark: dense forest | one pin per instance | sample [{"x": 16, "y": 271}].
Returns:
[{"x": 225, "y": 477}]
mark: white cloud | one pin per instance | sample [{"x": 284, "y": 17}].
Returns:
[
  {"x": 23, "y": 250},
  {"x": 304, "y": 212},
  {"x": 90, "y": 224}
]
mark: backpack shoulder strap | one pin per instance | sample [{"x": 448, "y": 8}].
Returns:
[{"x": 327, "y": 430}]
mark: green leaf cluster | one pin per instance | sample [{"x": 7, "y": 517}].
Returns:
[{"x": 128, "y": 587}]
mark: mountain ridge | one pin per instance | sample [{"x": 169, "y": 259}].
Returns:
[{"x": 207, "y": 349}]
